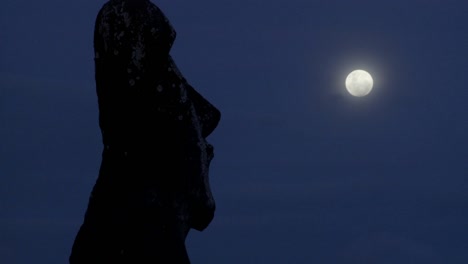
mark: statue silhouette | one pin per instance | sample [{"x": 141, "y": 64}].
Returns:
[{"x": 153, "y": 181}]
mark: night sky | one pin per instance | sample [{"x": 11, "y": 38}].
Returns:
[{"x": 304, "y": 172}]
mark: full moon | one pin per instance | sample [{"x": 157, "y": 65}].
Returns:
[{"x": 359, "y": 83}]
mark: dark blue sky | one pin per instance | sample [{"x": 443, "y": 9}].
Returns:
[{"x": 303, "y": 173}]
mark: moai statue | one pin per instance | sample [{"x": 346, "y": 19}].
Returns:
[{"x": 153, "y": 182}]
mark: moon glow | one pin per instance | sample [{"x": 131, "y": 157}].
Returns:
[{"x": 359, "y": 83}]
